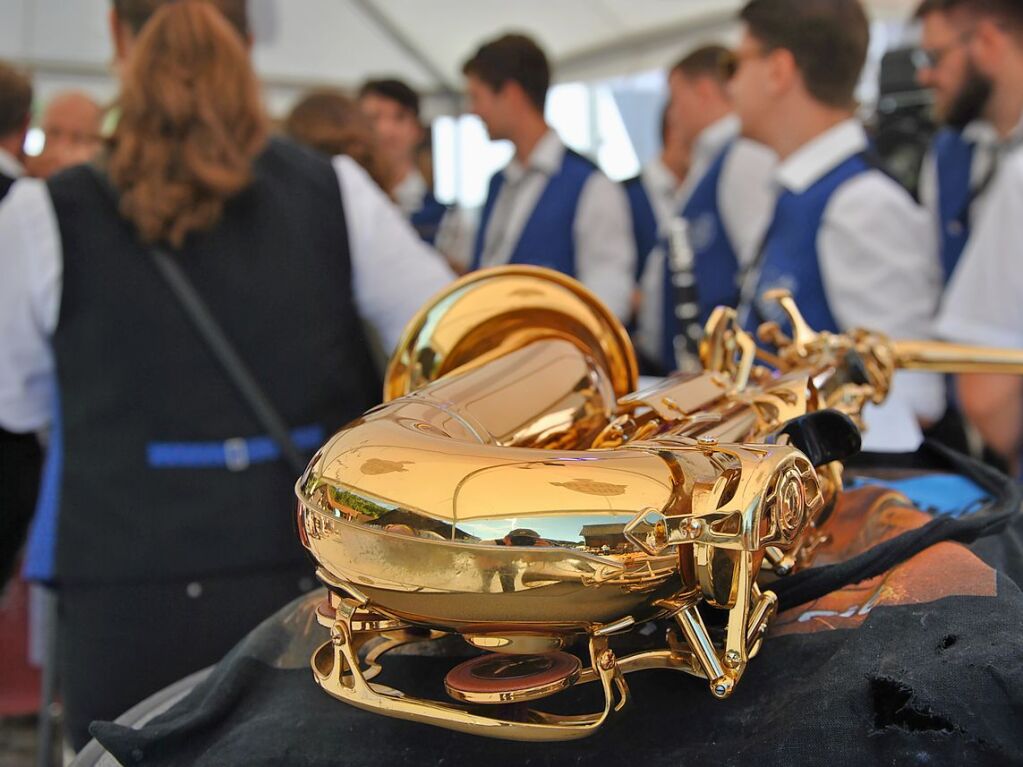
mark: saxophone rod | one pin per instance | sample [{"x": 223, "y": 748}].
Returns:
[{"x": 942, "y": 357}]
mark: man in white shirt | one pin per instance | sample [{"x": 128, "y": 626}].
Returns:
[
  {"x": 848, "y": 242},
  {"x": 981, "y": 109},
  {"x": 393, "y": 108},
  {"x": 15, "y": 114},
  {"x": 983, "y": 302},
  {"x": 983, "y": 306},
  {"x": 653, "y": 194},
  {"x": 726, "y": 199},
  {"x": 550, "y": 206}
]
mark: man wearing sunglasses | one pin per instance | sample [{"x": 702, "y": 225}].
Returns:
[
  {"x": 846, "y": 240},
  {"x": 982, "y": 304},
  {"x": 980, "y": 110}
]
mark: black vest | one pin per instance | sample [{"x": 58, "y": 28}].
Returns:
[
  {"x": 6, "y": 182},
  {"x": 132, "y": 371}
]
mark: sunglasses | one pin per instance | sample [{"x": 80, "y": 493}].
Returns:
[{"x": 730, "y": 62}]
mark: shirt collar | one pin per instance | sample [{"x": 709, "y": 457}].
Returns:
[
  {"x": 983, "y": 133},
  {"x": 10, "y": 166},
  {"x": 546, "y": 158},
  {"x": 980, "y": 132},
  {"x": 660, "y": 177},
  {"x": 808, "y": 164},
  {"x": 410, "y": 192},
  {"x": 713, "y": 138}
]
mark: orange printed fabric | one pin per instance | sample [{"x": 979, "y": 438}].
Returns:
[{"x": 863, "y": 519}]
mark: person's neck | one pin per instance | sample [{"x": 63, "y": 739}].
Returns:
[
  {"x": 402, "y": 170},
  {"x": 800, "y": 127},
  {"x": 13, "y": 146},
  {"x": 712, "y": 114},
  {"x": 1006, "y": 106},
  {"x": 527, "y": 135},
  {"x": 676, "y": 162}
]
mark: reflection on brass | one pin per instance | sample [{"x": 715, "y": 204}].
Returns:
[{"x": 517, "y": 492}]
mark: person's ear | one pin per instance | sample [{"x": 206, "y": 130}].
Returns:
[
  {"x": 782, "y": 72},
  {"x": 514, "y": 94},
  {"x": 509, "y": 90},
  {"x": 987, "y": 46},
  {"x": 707, "y": 88}
]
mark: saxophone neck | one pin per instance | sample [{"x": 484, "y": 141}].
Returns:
[{"x": 941, "y": 357}]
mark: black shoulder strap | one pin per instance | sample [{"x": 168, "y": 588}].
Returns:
[
  {"x": 223, "y": 350},
  {"x": 813, "y": 583}
]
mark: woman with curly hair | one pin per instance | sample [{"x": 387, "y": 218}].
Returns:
[{"x": 165, "y": 521}]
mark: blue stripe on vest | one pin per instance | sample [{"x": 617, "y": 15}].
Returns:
[
  {"x": 426, "y": 220},
  {"x": 953, "y": 159},
  {"x": 232, "y": 453},
  {"x": 789, "y": 257},
  {"x": 715, "y": 265},
  {"x": 644, "y": 221},
  {"x": 548, "y": 238},
  {"x": 40, "y": 552},
  {"x": 945, "y": 494}
]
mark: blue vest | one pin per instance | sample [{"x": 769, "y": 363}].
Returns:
[
  {"x": 644, "y": 221},
  {"x": 789, "y": 257},
  {"x": 953, "y": 159},
  {"x": 548, "y": 238},
  {"x": 715, "y": 265},
  {"x": 426, "y": 220}
]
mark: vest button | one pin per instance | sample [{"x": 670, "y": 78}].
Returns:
[{"x": 194, "y": 590}]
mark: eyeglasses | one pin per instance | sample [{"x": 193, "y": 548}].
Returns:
[{"x": 931, "y": 58}]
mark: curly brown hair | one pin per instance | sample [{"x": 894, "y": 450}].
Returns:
[{"x": 191, "y": 122}]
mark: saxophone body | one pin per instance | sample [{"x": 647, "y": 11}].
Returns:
[{"x": 515, "y": 491}]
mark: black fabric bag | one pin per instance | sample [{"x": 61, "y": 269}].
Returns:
[{"x": 924, "y": 667}]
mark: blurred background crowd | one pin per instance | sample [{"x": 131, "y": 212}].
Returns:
[{"x": 316, "y": 171}]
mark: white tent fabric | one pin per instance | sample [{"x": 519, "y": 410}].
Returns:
[{"x": 303, "y": 43}]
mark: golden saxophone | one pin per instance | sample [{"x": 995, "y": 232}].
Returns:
[{"x": 515, "y": 491}]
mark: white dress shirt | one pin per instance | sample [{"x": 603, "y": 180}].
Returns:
[
  {"x": 745, "y": 195},
  {"x": 605, "y": 251},
  {"x": 988, "y": 148},
  {"x": 9, "y": 165},
  {"x": 409, "y": 194},
  {"x": 393, "y": 274},
  {"x": 662, "y": 188},
  {"x": 984, "y": 301},
  {"x": 878, "y": 262}
]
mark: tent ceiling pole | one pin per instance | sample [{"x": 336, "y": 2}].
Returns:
[
  {"x": 399, "y": 38},
  {"x": 626, "y": 45}
]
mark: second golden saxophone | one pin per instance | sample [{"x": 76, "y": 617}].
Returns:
[{"x": 515, "y": 491}]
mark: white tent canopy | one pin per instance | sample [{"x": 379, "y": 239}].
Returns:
[{"x": 304, "y": 43}]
